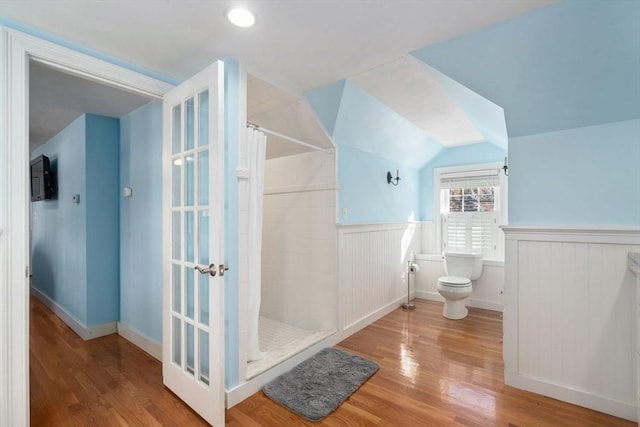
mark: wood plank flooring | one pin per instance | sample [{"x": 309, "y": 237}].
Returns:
[{"x": 433, "y": 372}]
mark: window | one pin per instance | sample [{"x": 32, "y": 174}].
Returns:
[{"x": 470, "y": 211}]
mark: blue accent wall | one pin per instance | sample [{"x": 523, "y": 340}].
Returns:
[
  {"x": 75, "y": 246},
  {"x": 141, "y": 221},
  {"x": 583, "y": 176},
  {"x": 58, "y": 235},
  {"x": 367, "y": 196},
  {"x": 103, "y": 218},
  {"x": 231, "y": 277},
  {"x": 454, "y": 156}
]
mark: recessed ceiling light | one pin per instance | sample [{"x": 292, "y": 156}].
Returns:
[{"x": 241, "y": 17}]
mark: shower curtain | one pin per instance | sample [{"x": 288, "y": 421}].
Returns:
[{"x": 256, "y": 157}]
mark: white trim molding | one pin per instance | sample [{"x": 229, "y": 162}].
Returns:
[
  {"x": 604, "y": 234},
  {"x": 570, "y": 318},
  {"x": 16, "y": 51}
]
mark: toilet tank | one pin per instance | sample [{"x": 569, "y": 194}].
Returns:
[{"x": 463, "y": 265}]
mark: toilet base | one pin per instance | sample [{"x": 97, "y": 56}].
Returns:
[{"x": 455, "y": 309}]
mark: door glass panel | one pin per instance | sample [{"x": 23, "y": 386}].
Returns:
[
  {"x": 203, "y": 236},
  {"x": 204, "y": 117},
  {"x": 177, "y": 289},
  {"x": 203, "y": 296},
  {"x": 177, "y": 128},
  {"x": 203, "y": 178},
  {"x": 190, "y": 348},
  {"x": 177, "y": 341},
  {"x": 189, "y": 125},
  {"x": 189, "y": 292},
  {"x": 204, "y": 356},
  {"x": 176, "y": 187},
  {"x": 177, "y": 236},
  {"x": 189, "y": 236},
  {"x": 190, "y": 180}
]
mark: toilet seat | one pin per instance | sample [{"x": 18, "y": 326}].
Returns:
[{"x": 454, "y": 281}]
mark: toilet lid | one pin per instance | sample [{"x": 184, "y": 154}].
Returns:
[{"x": 454, "y": 281}]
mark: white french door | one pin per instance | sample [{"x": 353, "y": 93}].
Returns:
[{"x": 193, "y": 258}]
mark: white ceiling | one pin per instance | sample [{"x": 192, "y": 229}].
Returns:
[
  {"x": 287, "y": 114},
  {"x": 406, "y": 87},
  {"x": 297, "y": 45},
  {"x": 56, "y": 99}
]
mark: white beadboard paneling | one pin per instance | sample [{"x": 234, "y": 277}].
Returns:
[
  {"x": 570, "y": 315},
  {"x": 372, "y": 267}
]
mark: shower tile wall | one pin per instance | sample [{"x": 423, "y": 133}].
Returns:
[{"x": 299, "y": 262}]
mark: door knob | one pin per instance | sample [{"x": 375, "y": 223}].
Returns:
[{"x": 204, "y": 270}]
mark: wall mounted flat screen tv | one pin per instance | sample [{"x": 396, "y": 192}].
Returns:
[{"x": 42, "y": 179}]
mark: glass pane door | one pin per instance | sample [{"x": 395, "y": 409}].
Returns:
[{"x": 190, "y": 231}]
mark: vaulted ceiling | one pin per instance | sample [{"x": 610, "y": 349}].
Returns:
[{"x": 296, "y": 47}]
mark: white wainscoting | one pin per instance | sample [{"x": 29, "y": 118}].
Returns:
[
  {"x": 372, "y": 264},
  {"x": 486, "y": 291},
  {"x": 570, "y": 315}
]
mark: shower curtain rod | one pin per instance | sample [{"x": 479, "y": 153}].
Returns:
[{"x": 288, "y": 138}]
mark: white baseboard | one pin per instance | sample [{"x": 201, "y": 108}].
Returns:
[
  {"x": 477, "y": 303},
  {"x": 248, "y": 388},
  {"x": 620, "y": 409},
  {"x": 136, "y": 338},
  {"x": 86, "y": 333},
  {"x": 372, "y": 317}
]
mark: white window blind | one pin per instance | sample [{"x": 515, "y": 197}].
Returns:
[
  {"x": 467, "y": 232},
  {"x": 474, "y": 179}
]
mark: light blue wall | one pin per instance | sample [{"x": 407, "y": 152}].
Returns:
[
  {"x": 326, "y": 102},
  {"x": 102, "y": 203},
  {"x": 568, "y": 107},
  {"x": 58, "y": 236},
  {"x": 454, "y": 156},
  {"x": 571, "y": 64},
  {"x": 76, "y": 245},
  {"x": 231, "y": 282},
  {"x": 141, "y": 221},
  {"x": 368, "y": 197},
  {"x": 585, "y": 176}
]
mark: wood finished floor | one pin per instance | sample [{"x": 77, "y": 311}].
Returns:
[{"x": 433, "y": 372}]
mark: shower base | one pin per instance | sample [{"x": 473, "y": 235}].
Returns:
[{"x": 280, "y": 341}]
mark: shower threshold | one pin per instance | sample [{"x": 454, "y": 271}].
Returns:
[{"x": 280, "y": 341}]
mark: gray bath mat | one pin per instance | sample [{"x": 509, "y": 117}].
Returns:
[{"x": 317, "y": 386}]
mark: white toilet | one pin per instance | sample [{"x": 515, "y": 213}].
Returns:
[{"x": 461, "y": 269}]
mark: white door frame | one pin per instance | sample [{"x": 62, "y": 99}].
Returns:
[{"x": 16, "y": 50}]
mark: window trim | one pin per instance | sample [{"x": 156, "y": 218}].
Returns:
[{"x": 502, "y": 194}]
